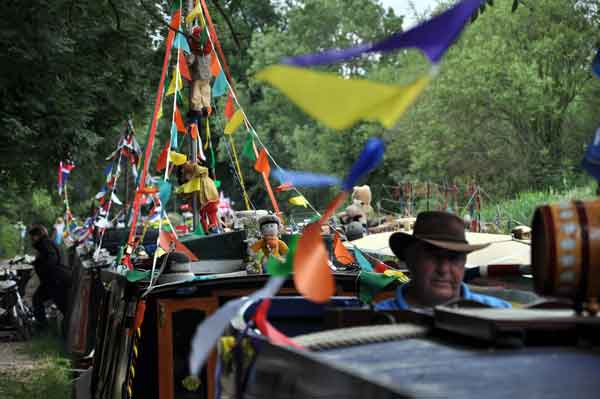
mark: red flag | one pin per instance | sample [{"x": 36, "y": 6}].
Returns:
[
  {"x": 267, "y": 329},
  {"x": 161, "y": 162},
  {"x": 380, "y": 267},
  {"x": 167, "y": 237},
  {"x": 284, "y": 187},
  {"x": 262, "y": 163},
  {"x": 183, "y": 67},
  {"x": 179, "y": 121},
  {"x": 229, "y": 108},
  {"x": 341, "y": 252}
]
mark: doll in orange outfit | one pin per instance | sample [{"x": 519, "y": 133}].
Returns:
[{"x": 269, "y": 244}]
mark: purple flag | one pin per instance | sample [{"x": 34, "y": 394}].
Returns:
[
  {"x": 432, "y": 37},
  {"x": 596, "y": 64}
]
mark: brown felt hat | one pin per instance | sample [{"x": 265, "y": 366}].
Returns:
[{"x": 441, "y": 229}]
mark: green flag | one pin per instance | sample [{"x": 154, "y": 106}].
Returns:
[{"x": 248, "y": 150}]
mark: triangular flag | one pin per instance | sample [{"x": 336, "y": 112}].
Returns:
[
  {"x": 100, "y": 194},
  {"x": 274, "y": 335},
  {"x": 179, "y": 121},
  {"x": 183, "y": 67},
  {"x": 161, "y": 162},
  {"x": 340, "y": 103},
  {"x": 115, "y": 199},
  {"x": 305, "y": 179},
  {"x": 433, "y": 37},
  {"x": 176, "y": 78},
  {"x": 312, "y": 275},
  {"x": 596, "y": 64},
  {"x": 229, "y": 108},
  {"x": 181, "y": 43},
  {"x": 164, "y": 190},
  {"x": 341, "y": 252},
  {"x": 177, "y": 158},
  {"x": 235, "y": 122},
  {"x": 362, "y": 261},
  {"x": 194, "y": 131},
  {"x": 195, "y": 13},
  {"x": 220, "y": 85},
  {"x": 166, "y": 238},
  {"x": 262, "y": 163},
  {"x": 160, "y": 112},
  {"x": 298, "y": 201},
  {"x": 174, "y": 143},
  {"x": 248, "y": 150},
  {"x": 277, "y": 268},
  {"x": 215, "y": 67},
  {"x": 284, "y": 187}
]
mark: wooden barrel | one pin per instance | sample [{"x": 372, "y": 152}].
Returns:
[{"x": 565, "y": 253}]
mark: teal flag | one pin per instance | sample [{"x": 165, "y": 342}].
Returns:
[
  {"x": 182, "y": 43},
  {"x": 220, "y": 86},
  {"x": 173, "y": 135},
  {"x": 362, "y": 261},
  {"x": 164, "y": 192}
]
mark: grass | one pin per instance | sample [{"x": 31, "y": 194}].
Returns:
[
  {"x": 520, "y": 209},
  {"x": 48, "y": 378}
]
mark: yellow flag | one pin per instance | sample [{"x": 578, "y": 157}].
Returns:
[
  {"x": 340, "y": 103},
  {"x": 235, "y": 122},
  {"x": 177, "y": 158},
  {"x": 160, "y": 252},
  {"x": 196, "y": 12},
  {"x": 160, "y": 112},
  {"x": 176, "y": 78},
  {"x": 298, "y": 201}
]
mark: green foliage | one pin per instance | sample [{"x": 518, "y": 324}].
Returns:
[
  {"x": 48, "y": 377},
  {"x": 511, "y": 109},
  {"x": 519, "y": 210}
]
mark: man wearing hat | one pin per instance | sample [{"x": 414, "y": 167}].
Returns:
[{"x": 435, "y": 254}]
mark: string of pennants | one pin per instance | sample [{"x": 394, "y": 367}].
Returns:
[{"x": 337, "y": 103}]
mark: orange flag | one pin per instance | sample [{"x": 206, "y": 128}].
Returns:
[
  {"x": 167, "y": 237},
  {"x": 215, "y": 68},
  {"x": 229, "y": 108},
  {"x": 179, "y": 121},
  {"x": 312, "y": 275},
  {"x": 194, "y": 131},
  {"x": 183, "y": 67},
  {"x": 161, "y": 162},
  {"x": 262, "y": 163},
  {"x": 341, "y": 252}
]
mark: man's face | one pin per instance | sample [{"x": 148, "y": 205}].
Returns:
[{"x": 436, "y": 273}]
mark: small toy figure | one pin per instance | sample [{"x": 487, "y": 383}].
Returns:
[
  {"x": 269, "y": 244},
  {"x": 198, "y": 182},
  {"x": 199, "y": 64}
]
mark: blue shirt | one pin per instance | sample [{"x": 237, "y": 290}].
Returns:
[{"x": 399, "y": 303}]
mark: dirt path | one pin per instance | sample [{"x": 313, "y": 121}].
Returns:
[{"x": 13, "y": 356}]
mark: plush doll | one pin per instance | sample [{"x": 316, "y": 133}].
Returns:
[
  {"x": 361, "y": 195},
  {"x": 197, "y": 182},
  {"x": 199, "y": 64},
  {"x": 269, "y": 244}
]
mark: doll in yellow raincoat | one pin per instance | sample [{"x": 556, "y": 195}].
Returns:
[{"x": 198, "y": 182}]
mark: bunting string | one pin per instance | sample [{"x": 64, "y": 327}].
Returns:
[{"x": 249, "y": 126}]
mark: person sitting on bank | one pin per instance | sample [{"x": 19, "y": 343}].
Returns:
[
  {"x": 435, "y": 254},
  {"x": 55, "y": 282}
]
